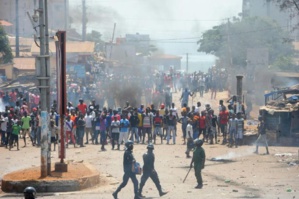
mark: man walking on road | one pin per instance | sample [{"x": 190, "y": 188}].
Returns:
[
  {"x": 262, "y": 135},
  {"x": 128, "y": 161},
  {"x": 149, "y": 170},
  {"x": 198, "y": 158}
]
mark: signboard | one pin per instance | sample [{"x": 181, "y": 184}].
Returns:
[{"x": 78, "y": 70}]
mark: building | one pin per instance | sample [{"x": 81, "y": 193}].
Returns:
[
  {"x": 124, "y": 54},
  {"x": 57, "y": 14},
  {"x": 265, "y": 8},
  {"x": 23, "y": 65},
  {"x": 75, "y": 50},
  {"x": 281, "y": 115},
  {"x": 164, "y": 62}
]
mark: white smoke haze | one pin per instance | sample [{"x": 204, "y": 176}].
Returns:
[
  {"x": 235, "y": 154},
  {"x": 162, "y": 20}
]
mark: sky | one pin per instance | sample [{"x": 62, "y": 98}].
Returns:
[{"x": 174, "y": 26}]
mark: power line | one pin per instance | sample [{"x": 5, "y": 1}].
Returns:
[{"x": 178, "y": 39}]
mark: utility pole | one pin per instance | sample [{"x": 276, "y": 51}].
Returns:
[
  {"x": 112, "y": 41},
  {"x": 47, "y": 68},
  {"x": 17, "y": 30},
  {"x": 229, "y": 45},
  {"x": 66, "y": 14},
  {"x": 187, "y": 62},
  {"x": 230, "y": 62},
  {"x": 61, "y": 92},
  {"x": 43, "y": 76},
  {"x": 84, "y": 21}
]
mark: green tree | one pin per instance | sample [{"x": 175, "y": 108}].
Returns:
[
  {"x": 232, "y": 39},
  {"x": 96, "y": 37},
  {"x": 5, "y": 50},
  {"x": 287, "y": 4}
]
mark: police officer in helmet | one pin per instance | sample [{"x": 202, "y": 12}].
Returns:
[
  {"x": 128, "y": 161},
  {"x": 149, "y": 170},
  {"x": 198, "y": 159},
  {"x": 29, "y": 193}
]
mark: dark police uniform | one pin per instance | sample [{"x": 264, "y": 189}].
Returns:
[
  {"x": 199, "y": 162},
  {"x": 127, "y": 163},
  {"x": 149, "y": 171}
]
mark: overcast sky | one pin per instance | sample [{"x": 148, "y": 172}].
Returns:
[{"x": 174, "y": 25}]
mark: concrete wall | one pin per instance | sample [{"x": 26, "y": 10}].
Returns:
[
  {"x": 8, "y": 70},
  {"x": 8, "y": 12}
]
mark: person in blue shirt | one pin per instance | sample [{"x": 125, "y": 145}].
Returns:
[
  {"x": 185, "y": 97},
  {"x": 124, "y": 129}
]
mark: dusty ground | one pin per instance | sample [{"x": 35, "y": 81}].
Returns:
[
  {"x": 75, "y": 170},
  {"x": 242, "y": 175}
]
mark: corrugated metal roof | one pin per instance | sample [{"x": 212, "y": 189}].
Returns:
[
  {"x": 285, "y": 74},
  {"x": 24, "y": 63},
  {"x": 71, "y": 47}
]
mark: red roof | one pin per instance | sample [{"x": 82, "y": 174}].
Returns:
[{"x": 5, "y": 23}]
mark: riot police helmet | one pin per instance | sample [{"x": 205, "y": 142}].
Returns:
[
  {"x": 150, "y": 146},
  {"x": 29, "y": 193},
  {"x": 198, "y": 142},
  {"x": 129, "y": 144}
]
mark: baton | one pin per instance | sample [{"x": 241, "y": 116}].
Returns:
[{"x": 187, "y": 175}]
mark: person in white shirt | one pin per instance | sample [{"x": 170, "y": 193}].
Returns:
[
  {"x": 69, "y": 131},
  {"x": 232, "y": 130},
  {"x": 189, "y": 134},
  {"x": 197, "y": 108},
  {"x": 4, "y": 120},
  {"x": 240, "y": 129},
  {"x": 115, "y": 124},
  {"x": 88, "y": 126},
  {"x": 201, "y": 86},
  {"x": 174, "y": 110}
]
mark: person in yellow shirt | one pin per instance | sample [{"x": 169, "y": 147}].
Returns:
[{"x": 140, "y": 134}]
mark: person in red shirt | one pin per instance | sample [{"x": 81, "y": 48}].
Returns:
[
  {"x": 223, "y": 120},
  {"x": 13, "y": 98},
  {"x": 82, "y": 107},
  {"x": 202, "y": 126}
]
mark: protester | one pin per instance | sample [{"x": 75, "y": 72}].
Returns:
[
  {"x": 69, "y": 131},
  {"x": 80, "y": 129},
  {"x": 16, "y": 128},
  {"x": 232, "y": 131},
  {"x": 189, "y": 137},
  {"x": 88, "y": 128},
  {"x": 171, "y": 123},
  {"x": 25, "y": 128},
  {"x": 239, "y": 130},
  {"x": 147, "y": 122},
  {"x": 262, "y": 138},
  {"x": 158, "y": 123},
  {"x": 124, "y": 130},
  {"x": 115, "y": 124},
  {"x": 134, "y": 121}
]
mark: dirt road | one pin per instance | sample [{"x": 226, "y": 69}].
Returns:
[{"x": 241, "y": 174}]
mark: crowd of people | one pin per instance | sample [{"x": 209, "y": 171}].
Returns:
[
  {"x": 101, "y": 122},
  {"x": 91, "y": 123},
  {"x": 154, "y": 86}
]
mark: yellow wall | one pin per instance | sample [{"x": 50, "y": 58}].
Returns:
[{"x": 8, "y": 70}]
